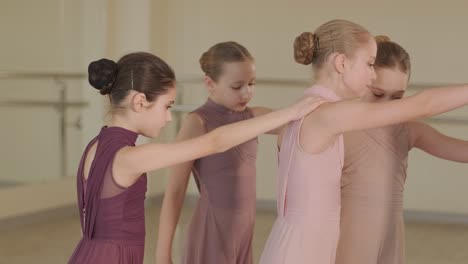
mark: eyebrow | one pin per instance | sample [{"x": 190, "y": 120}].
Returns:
[
  {"x": 238, "y": 82},
  {"x": 382, "y": 90},
  {"x": 243, "y": 81},
  {"x": 171, "y": 102}
]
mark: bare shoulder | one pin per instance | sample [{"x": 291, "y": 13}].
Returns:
[{"x": 315, "y": 135}]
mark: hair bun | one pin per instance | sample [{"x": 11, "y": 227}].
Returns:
[
  {"x": 102, "y": 74},
  {"x": 304, "y": 47},
  {"x": 382, "y": 38}
]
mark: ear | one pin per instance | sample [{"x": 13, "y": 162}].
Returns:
[
  {"x": 138, "y": 102},
  {"x": 209, "y": 83},
  {"x": 339, "y": 63}
]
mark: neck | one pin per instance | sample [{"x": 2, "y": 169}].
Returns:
[
  {"x": 212, "y": 98},
  {"x": 123, "y": 122},
  {"x": 334, "y": 81}
]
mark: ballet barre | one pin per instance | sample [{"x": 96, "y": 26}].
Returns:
[
  {"x": 412, "y": 86},
  {"x": 60, "y": 105}
]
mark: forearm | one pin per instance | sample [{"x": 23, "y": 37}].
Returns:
[
  {"x": 170, "y": 214},
  {"x": 231, "y": 135}
]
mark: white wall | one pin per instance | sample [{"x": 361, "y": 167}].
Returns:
[
  {"x": 433, "y": 32},
  {"x": 72, "y": 33},
  {"x": 38, "y": 36}
]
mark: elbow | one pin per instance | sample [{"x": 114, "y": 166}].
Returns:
[{"x": 428, "y": 105}]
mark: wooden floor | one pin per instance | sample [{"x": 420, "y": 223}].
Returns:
[{"x": 53, "y": 241}]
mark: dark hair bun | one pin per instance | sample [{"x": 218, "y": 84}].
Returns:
[{"x": 102, "y": 74}]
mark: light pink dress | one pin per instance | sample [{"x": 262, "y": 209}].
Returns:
[{"x": 308, "y": 224}]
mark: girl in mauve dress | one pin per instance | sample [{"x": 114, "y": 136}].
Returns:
[{"x": 222, "y": 226}]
